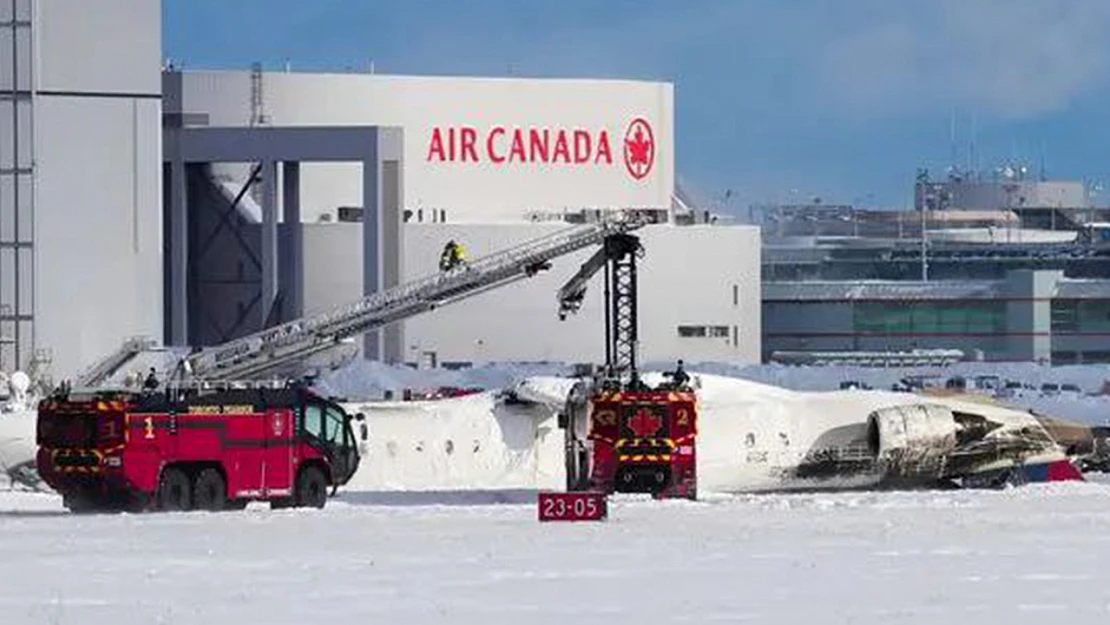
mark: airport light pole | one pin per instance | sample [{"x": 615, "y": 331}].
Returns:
[{"x": 924, "y": 248}]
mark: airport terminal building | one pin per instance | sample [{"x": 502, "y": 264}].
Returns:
[{"x": 1008, "y": 269}]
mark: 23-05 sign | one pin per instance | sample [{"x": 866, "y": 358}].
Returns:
[{"x": 584, "y": 506}]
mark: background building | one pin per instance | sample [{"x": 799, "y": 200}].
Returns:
[
  {"x": 489, "y": 162},
  {"x": 476, "y": 149},
  {"x": 1028, "y": 316},
  {"x": 80, "y": 226},
  {"x": 1001, "y": 266},
  {"x": 84, "y": 155}
]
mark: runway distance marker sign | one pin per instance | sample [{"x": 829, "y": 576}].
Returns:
[{"x": 577, "y": 506}]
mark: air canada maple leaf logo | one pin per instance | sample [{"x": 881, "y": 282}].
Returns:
[
  {"x": 639, "y": 148},
  {"x": 644, "y": 423}
]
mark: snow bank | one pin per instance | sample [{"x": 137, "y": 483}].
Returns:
[
  {"x": 366, "y": 380},
  {"x": 809, "y": 378}
]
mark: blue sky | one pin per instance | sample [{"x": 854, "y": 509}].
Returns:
[{"x": 775, "y": 99}]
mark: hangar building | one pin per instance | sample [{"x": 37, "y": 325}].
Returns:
[
  {"x": 488, "y": 162},
  {"x": 96, "y": 246},
  {"x": 80, "y": 184}
]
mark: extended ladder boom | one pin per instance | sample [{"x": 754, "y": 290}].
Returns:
[
  {"x": 261, "y": 352},
  {"x": 105, "y": 367},
  {"x": 618, "y": 256}
]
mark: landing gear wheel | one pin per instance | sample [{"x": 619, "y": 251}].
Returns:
[
  {"x": 312, "y": 488},
  {"x": 210, "y": 491},
  {"x": 174, "y": 492}
]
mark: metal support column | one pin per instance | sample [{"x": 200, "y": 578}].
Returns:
[
  {"x": 269, "y": 243},
  {"x": 291, "y": 259},
  {"x": 178, "y": 252},
  {"x": 371, "y": 247}
]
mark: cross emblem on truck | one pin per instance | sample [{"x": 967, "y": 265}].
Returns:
[{"x": 644, "y": 423}]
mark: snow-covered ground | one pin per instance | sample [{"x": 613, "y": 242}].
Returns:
[{"x": 1028, "y": 555}]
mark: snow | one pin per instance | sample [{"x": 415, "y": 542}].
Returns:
[
  {"x": 363, "y": 380},
  {"x": 1016, "y": 556}
]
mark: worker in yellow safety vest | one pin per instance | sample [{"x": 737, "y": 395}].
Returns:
[{"x": 454, "y": 255}]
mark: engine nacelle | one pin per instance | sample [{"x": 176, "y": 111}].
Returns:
[{"x": 912, "y": 441}]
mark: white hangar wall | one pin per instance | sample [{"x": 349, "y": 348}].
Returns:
[
  {"x": 481, "y": 149},
  {"x": 80, "y": 199},
  {"x": 701, "y": 278}
]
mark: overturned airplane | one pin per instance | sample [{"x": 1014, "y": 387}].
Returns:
[{"x": 751, "y": 438}]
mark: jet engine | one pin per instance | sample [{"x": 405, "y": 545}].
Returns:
[{"x": 912, "y": 441}]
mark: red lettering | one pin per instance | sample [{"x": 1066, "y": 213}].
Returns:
[
  {"x": 517, "y": 152},
  {"x": 467, "y": 139},
  {"x": 561, "y": 148},
  {"x": 581, "y": 146},
  {"x": 435, "y": 148},
  {"x": 527, "y": 145},
  {"x": 603, "y": 148},
  {"x": 493, "y": 156},
  {"x": 537, "y": 145}
]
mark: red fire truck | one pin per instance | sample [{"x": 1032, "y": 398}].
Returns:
[
  {"x": 175, "y": 450},
  {"x": 644, "y": 442}
]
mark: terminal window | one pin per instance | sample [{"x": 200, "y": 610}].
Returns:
[
  {"x": 1088, "y": 316},
  {"x": 929, "y": 317}
]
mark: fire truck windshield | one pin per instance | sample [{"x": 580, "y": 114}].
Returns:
[{"x": 329, "y": 426}]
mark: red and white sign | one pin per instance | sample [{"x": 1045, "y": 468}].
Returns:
[
  {"x": 578, "y": 506},
  {"x": 639, "y": 148},
  {"x": 502, "y": 145}
]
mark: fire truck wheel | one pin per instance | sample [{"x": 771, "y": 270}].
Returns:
[
  {"x": 174, "y": 492},
  {"x": 312, "y": 488},
  {"x": 210, "y": 492}
]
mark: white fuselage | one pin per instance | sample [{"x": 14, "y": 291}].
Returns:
[{"x": 751, "y": 437}]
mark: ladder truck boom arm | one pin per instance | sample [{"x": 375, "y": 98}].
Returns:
[
  {"x": 258, "y": 353},
  {"x": 572, "y": 293},
  {"x": 617, "y": 258}
]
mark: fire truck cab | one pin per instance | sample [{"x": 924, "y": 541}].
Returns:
[
  {"x": 644, "y": 442},
  {"x": 211, "y": 450}
]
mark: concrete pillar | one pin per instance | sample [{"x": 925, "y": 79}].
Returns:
[
  {"x": 269, "y": 244},
  {"x": 291, "y": 259},
  {"x": 392, "y": 239},
  {"x": 1029, "y": 313},
  {"x": 371, "y": 246},
  {"x": 177, "y": 308}
]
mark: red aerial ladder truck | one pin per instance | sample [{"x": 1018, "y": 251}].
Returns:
[
  {"x": 184, "y": 449},
  {"x": 636, "y": 438}
]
